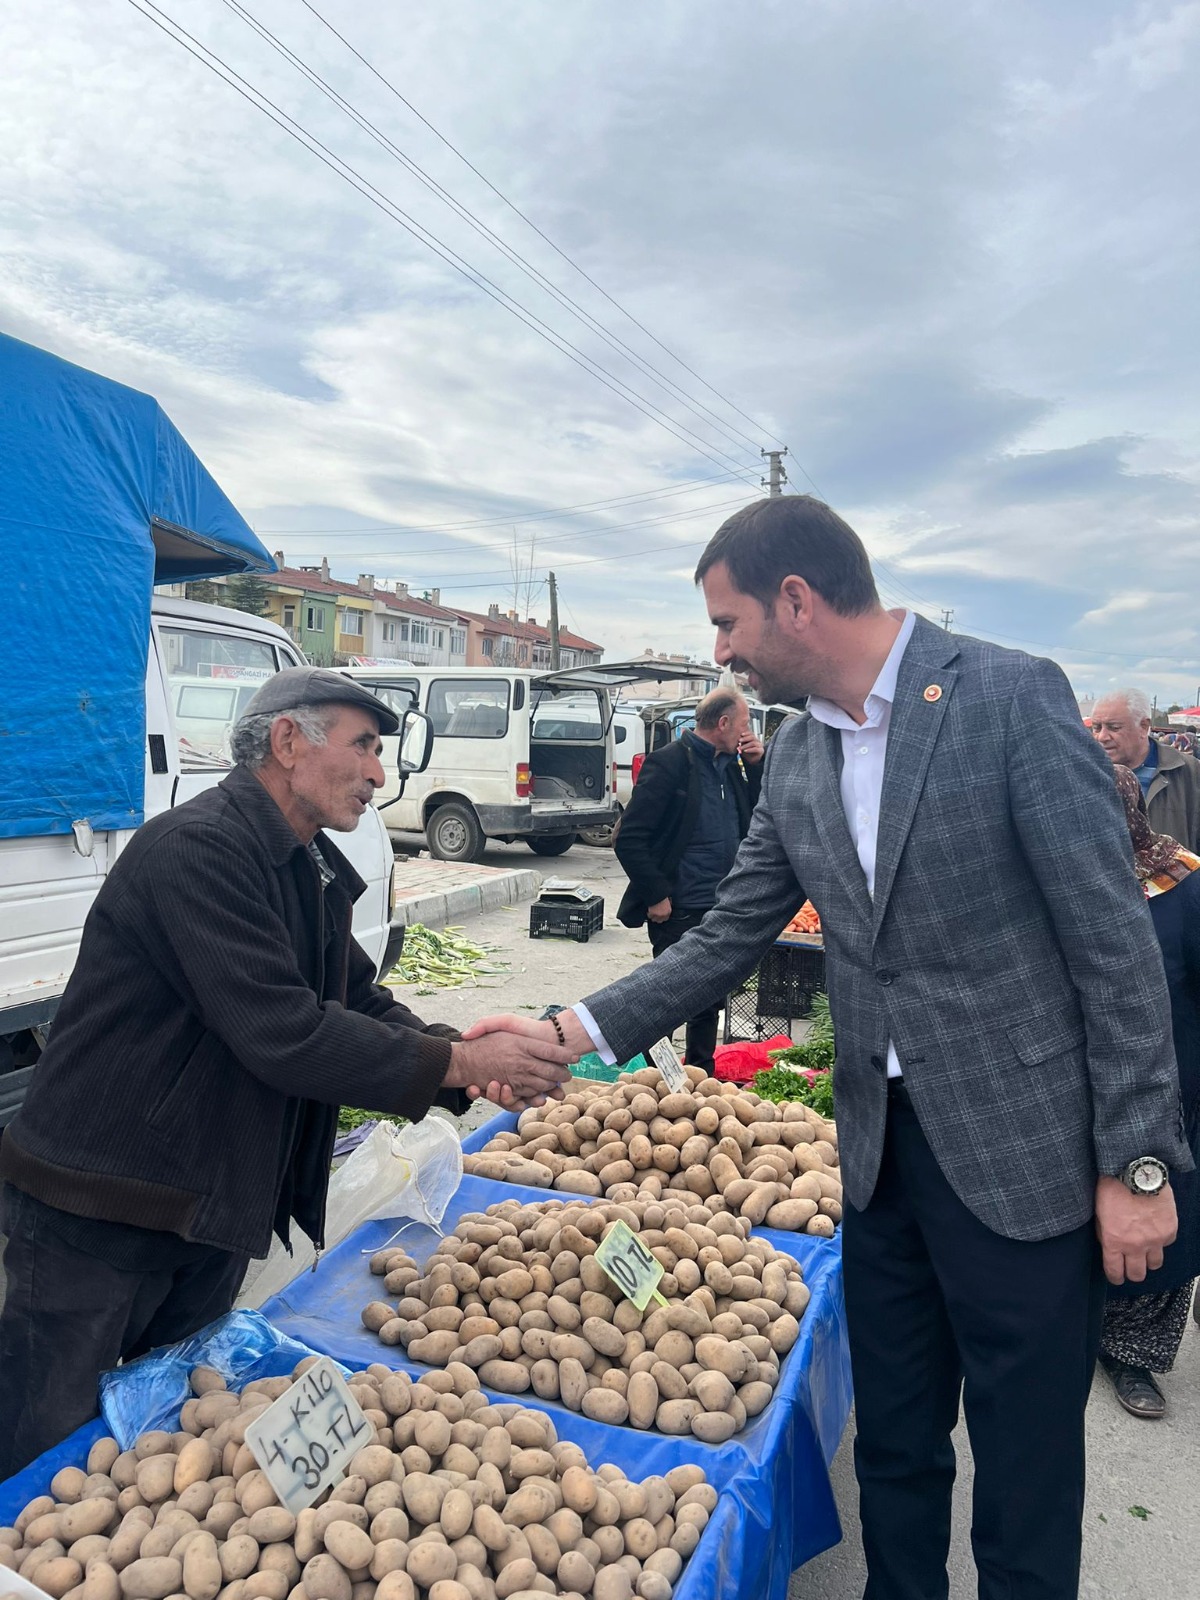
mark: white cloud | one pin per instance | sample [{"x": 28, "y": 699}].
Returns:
[{"x": 949, "y": 257}]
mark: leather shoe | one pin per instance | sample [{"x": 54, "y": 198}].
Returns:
[{"x": 1136, "y": 1390}]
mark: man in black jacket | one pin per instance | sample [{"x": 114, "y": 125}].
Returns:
[
  {"x": 219, "y": 1013},
  {"x": 689, "y": 811}
]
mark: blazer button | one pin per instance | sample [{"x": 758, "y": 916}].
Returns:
[{"x": 885, "y": 977}]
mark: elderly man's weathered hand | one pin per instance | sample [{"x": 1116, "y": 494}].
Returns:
[
  {"x": 1133, "y": 1229},
  {"x": 529, "y": 1064},
  {"x": 751, "y": 749}
]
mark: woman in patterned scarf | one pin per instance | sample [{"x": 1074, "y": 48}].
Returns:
[{"x": 1144, "y": 1322}]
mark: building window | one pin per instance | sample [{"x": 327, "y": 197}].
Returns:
[
  {"x": 289, "y": 616},
  {"x": 439, "y": 638},
  {"x": 389, "y": 632},
  {"x": 486, "y": 647},
  {"x": 315, "y": 622},
  {"x": 420, "y": 633},
  {"x": 352, "y": 623},
  {"x": 404, "y": 628},
  {"x": 458, "y": 642},
  {"x": 523, "y": 655}
]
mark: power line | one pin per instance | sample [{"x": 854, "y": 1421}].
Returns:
[
  {"x": 528, "y": 221},
  {"x": 566, "y": 538},
  {"x": 487, "y": 522},
  {"x": 532, "y": 272},
  {"x": 444, "y": 252}
]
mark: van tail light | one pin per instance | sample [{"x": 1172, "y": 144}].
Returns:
[
  {"x": 639, "y": 762},
  {"x": 614, "y": 777},
  {"x": 524, "y": 780}
]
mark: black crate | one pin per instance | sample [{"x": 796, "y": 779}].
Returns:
[
  {"x": 776, "y": 994},
  {"x": 743, "y": 1021},
  {"x": 788, "y": 977},
  {"x": 566, "y": 919}
]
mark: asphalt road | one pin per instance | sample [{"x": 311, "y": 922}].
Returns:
[{"x": 1134, "y": 1467}]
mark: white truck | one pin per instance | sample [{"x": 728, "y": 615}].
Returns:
[{"x": 133, "y": 712}]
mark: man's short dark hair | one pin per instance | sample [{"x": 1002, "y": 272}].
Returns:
[
  {"x": 718, "y": 703},
  {"x": 794, "y": 534}
]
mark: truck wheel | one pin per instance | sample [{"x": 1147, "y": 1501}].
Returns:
[
  {"x": 551, "y": 844},
  {"x": 601, "y": 836},
  {"x": 453, "y": 834}
]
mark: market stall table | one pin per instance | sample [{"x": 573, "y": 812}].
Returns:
[{"x": 777, "y": 1508}]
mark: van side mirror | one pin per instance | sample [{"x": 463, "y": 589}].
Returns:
[
  {"x": 415, "y": 745},
  {"x": 621, "y": 733}
]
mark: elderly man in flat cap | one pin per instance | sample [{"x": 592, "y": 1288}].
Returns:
[{"x": 219, "y": 1013}]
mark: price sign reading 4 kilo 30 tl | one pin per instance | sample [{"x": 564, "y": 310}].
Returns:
[
  {"x": 666, "y": 1058},
  {"x": 630, "y": 1265},
  {"x": 304, "y": 1440}
]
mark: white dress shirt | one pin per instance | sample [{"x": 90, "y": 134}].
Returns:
[{"x": 864, "y": 752}]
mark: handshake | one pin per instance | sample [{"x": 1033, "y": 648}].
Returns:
[{"x": 516, "y": 1061}]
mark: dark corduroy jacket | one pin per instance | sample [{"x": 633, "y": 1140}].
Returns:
[{"x": 219, "y": 1012}]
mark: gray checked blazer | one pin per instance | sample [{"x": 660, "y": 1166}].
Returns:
[{"x": 1008, "y": 951}]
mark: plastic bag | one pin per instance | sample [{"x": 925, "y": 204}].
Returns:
[
  {"x": 737, "y": 1063},
  {"x": 148, "y": 1393},
  {"x": 395, "y": 1172}
]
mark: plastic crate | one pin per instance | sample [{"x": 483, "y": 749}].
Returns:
[
  {"x": 778, "y": 992},
  {"x": 566, "y": 919},
  {"x": 788, "y": 977}
]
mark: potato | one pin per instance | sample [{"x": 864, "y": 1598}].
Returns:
[
  {"x": 324, "y": 1579},
  {"x": 429, "y": 1562},
  {"x": 349, "y": 1545},
  {"x": 101, "y": 1582},
  {"x": 238, "y": 1557},
  {"x": 271, "y": 1525},
  {"x": 203, "y": 1577},
  {"x": 396, "y": 1585},
  {"x": 152, "y": 1579},
  {"x": 612, "y": 1583}
]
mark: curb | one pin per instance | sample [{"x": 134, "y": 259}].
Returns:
[{"x": 489, "y": 894}]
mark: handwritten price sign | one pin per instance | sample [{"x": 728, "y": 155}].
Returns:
[
  {"x": 303, "y": 1440},
  {"x": 630, "y": 1265},
  {"x": 666, "y": 1058}
]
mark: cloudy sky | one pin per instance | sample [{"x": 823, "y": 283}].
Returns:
[{"x": 946, "y": 253}]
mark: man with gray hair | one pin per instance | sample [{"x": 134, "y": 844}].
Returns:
[
  {"x": 220, "y": 1011},
  {"x": 689, "y": 812},
  {"x": 1170, "y": 779}
]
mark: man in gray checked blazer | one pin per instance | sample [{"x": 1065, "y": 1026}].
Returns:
[{"x": 1006, "y": 1087}]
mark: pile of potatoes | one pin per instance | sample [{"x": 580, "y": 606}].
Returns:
[
  {"x": 517, "y": 1295},
  {"x": 773, "y": 1164},
  {"x": 457, "y": 1499}
]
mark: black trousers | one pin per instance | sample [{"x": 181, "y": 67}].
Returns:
[
  {"x": 702, "y": 1028},
  {"x": 940, "y": 1305},
  {"x": 68, "y": 1317}
]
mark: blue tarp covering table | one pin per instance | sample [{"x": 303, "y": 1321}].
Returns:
[
  {"x": 102, "y": 499},
  {"x": 777, "y": 1508}
]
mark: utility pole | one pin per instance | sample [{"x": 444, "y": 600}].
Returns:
[
  {"x": 554, "y": 653},
  {"x": 947, "y": 618},
  {"x": 778, "y": 477}
]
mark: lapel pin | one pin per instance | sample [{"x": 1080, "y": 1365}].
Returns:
[{"x": 933, "y": 693}]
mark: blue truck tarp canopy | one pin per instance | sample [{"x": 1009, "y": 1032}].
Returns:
[{"x": 100, "y": 499}]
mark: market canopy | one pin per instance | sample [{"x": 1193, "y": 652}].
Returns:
[{"x": 102, "y": 499}]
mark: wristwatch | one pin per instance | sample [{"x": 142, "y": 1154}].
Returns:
[{"x": 1147, "y": 1175}]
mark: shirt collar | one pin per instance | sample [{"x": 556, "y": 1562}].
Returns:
[{"x": 883, "y": 691}]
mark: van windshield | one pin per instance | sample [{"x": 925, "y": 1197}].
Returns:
[
  {"x": 577, "y": 715},
  {"x": 211, "y": 678}
]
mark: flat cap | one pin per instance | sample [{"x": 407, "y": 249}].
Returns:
[{"x": 317, "y": 686}]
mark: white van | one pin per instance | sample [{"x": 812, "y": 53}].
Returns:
[
  {"x": 204, "y": 664},
  {"x": 517, "y": 755}
]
